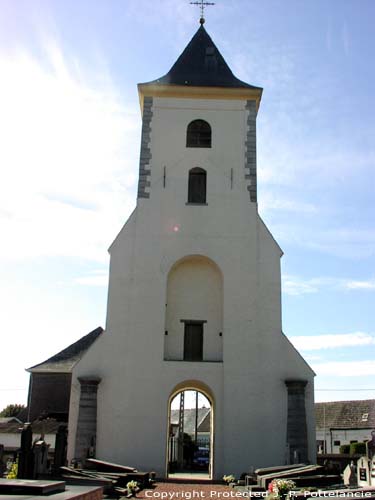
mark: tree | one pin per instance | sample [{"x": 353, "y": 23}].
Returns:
[{"x": 11, "y": 410}]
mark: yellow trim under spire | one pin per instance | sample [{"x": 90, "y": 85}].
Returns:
[{"x": 182, "y": 92}]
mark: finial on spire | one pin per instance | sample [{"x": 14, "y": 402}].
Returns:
[{"x": 202, "y": 5}]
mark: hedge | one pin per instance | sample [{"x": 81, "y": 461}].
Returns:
[{"x": 358, "y": 449}]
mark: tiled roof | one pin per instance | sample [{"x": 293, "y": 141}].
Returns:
[
  {"x": 64, "y": 361},
  {"x": 48, "y": 426},
  {"x": 205, "y": 425},
  {"x": 189, "y": 418},
  {"x": 201, "y": 65},
  {"x": 6, "y": 420},
  {"x": 345, "y": 414}
]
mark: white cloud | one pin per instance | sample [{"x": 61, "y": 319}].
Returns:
[
  {"x": 270, "y": 201},
  {"x": 293, "y": 285},
  {"x": 96, "y": 278},
  {"x": 360, "y": 285},
  {"x": 345, "y": 368},
  {"x": 68, "y": 156},
  {"x": 318, "y": 342},
  {"x": 296, "y": 285}
]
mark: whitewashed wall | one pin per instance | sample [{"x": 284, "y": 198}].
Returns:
[{"x": 249, "y": 393}]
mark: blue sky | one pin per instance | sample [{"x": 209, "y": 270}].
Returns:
[{"x": 70, "y": 129}]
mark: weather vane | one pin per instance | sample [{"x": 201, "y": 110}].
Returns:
[{"x": 202, "y": 5}]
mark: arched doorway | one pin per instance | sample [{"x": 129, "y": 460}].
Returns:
[{"x": 190, "y": 433}]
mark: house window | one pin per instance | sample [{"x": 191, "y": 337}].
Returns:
[
  {"x": 198, "y": 134},
  {"x": 336, "y": 443},
  {"x": 193, "y": 340},
  {"x": 197, "y": 185}
]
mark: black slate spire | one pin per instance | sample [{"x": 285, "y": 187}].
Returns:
[{"x": 201, "y": 65}]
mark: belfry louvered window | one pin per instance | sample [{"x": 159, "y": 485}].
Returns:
[
  {"x": 197, "y": 185},
  {"x": 198, "y": 134}
]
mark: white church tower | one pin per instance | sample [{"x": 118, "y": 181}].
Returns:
[{"x": 194, "y": 291}]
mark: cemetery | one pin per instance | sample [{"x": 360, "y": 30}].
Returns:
[{"x": 39, "y": 474}]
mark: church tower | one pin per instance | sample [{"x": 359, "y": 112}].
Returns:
[{"x": 194, "y": 291}]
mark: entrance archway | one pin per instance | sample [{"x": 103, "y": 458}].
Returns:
[{"x": 190, "y": 433}]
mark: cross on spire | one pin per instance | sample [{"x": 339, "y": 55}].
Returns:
[{"x": 202, "y": 5}]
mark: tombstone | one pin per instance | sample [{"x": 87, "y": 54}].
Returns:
[
  {"x": 61, "y": 445},
  {"x": 372, "y": 471},
  {"x": 40, "y": 451},
  {"x": 350, "y": 475},
  {"x": 26, "y": 456},
  {"x": 2, "y": 465},
  {"x": 370, "y": 445},
  {"x": 296, "y": 459},
  {"x": 363, "y": 472}
]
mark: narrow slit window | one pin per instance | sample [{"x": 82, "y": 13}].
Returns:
[
  {"x": 198, "y": 134},
  {"x": 197, "y": 185}
]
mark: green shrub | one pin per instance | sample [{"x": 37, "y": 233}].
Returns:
[
  {"x": 345, "y": 449},
  {"x": 358, "y": 449}
]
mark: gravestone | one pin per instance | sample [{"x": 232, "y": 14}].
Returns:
[
  {"x": 26, "y": 456},
  {"x": 61, "y": 444},
  {"x": 350, "y": 475},
  {"x": 2, "y": 465},
  {"x": 40, "y": 451},
  {"x": 363, "y": 472},
  {"x": 30, "y": 487},
  {"x": 370, "y": 445}
]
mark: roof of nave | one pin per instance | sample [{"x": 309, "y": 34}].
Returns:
[{"x": 64, "y": 361}]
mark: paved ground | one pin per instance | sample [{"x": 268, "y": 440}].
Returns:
[{"x": 180, "y": 491}]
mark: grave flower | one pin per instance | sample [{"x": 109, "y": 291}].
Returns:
[
  {"x": 279, "y": 488},
  {"x": 229, "y": 479},
  {"x": 132, "y": 487}
]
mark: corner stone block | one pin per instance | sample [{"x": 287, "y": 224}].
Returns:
[
  {"x": 296, "y": 422},
  {"x": 86, "y": 425}
]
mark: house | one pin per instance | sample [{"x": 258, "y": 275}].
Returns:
[
  {"x": 196, "y": 424},
  {"x": 343, "y": 422},
  {"x": 10, "y": 433}
]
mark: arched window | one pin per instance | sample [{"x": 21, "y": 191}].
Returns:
[
  {"x": 197, "y": 185},
  {"x": 198, "y": 134}
]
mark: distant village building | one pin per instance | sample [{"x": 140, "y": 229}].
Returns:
[
  {"x": 343, "y": 422},
  {"x": 10, "y": 433}
]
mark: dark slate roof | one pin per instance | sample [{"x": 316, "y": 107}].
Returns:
[
  {"x": 346, "y": 414},
  {"x": 64, "y": 361},
  {"x": 189, "y": 418},
  {"x": 205, "y": 425},
  {"x": 201, "y": 65}
]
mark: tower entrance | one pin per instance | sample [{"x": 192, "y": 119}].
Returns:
[{"x": 190, "y": 434}]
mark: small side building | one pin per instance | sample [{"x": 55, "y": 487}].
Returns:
[
  {"x": 49, "y": 396},
  {"x": 50, "y": 381},
  {"x": 343, "y": 422}
]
